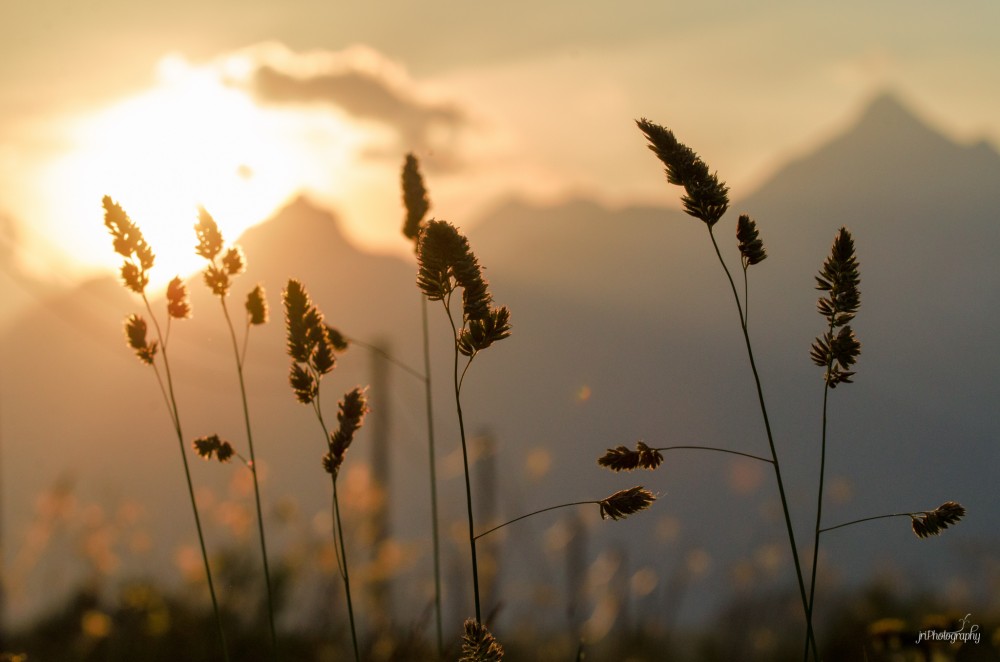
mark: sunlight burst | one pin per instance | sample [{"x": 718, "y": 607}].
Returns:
[{"x": 193, "y": 140}]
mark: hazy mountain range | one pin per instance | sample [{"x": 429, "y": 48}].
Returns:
[{"x": 624, "y": 328}]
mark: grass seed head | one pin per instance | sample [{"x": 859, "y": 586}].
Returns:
[
  {"x": 838, "y": 350},
  {"x": 626, "y": 459},
  {"x": 178, "y": 305},
  {"x": 256, "y": 306},
  {"x": 750, "y": 245},
  {"x": 933, "y": 522},
  {"x": 217, "y": 280},
  {"x": 479, "y": 644},
  {"x": 303, "y": 383},
  {"x": 135, "y": 332},
  {"x": 351, "y": 417},
  {"x": 234, "y": 261},
  {"x": 414, "y": 198},
  {"x": 479, "y": 334},
  {"x": 207, "y": 447},
  {"x": 128, "y": 239},
  {"x": 626, "y": 502},
  {"x": 209, "y": 238},
  {"x": 705, "y": 197}
]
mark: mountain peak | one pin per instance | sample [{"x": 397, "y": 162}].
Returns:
[{"x": 887, "y": 118}]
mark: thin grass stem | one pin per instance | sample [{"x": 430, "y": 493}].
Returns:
[
  {"x": 339, "y": 549},
  {"x": 433, "y": 476},
  {"x": 819, "y": 493},
  {"x": 810, "y": 639},
  {"x": 339, "y": 537},
  {"x": 536, "y": 512},
  {"x": 465, "y": 462},
  {"x": 717, "y": 450},
  {"x": 175, "y": 416},
  {"x": 868, "y": 519},
  {"x": 240, "y": 357},
  {"x": 389, "y": 357}
]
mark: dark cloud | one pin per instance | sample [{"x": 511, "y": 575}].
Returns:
[{"x": 366, "y": 97}]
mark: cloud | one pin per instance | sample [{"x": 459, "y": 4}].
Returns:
[{"x": 367, "y": 87}]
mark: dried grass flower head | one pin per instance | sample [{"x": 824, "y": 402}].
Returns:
[
  {"x": 705, "y": 197},
  {"x": 309, "y": 342},
  {"x": 135, "y": 332},
  {"x": 446, "y": 262},
  {"x": 210, "y": 446},
  {"x": 178, "y": 305},
  {"x": 479, "y": 644},
  {"x": 623, "y": 458},
  {"x": 209, "y": 237},
  {"x": 130, "y": 244},
  {"x": 256, "y": 306},
  {"x": 750, "y": 245},
  {"x": 351, "y": 417},
  {"x": 933, "y": 522},
  {"x": 838, "y": 348},
  {"x": 626, "y": 502},
  {"x": 414, "y": 198}
]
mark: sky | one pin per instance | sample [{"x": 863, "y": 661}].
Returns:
[{"x": 241, "y": 106}]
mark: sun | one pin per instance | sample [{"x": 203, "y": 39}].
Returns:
[{"x": 192, "y": 140}]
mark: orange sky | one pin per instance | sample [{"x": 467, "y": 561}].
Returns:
[{"x": 239, "y": 106}]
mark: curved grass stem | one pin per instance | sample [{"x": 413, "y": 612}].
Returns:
[
  {"x": 171, "y": 402},
  {"x": 717, "y": 450},
  {"x": 465, "y": 461},
  {"x": 533, "y": 513},
  {"x": 810, "y": 639}
]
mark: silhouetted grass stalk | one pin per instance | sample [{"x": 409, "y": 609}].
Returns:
[
  {"x": 217, "y": 277},
  {"x": 458, "y": 380},
  {"x": 707, "y": 199},
  {"x": 432, "y": 462},
  {"x": 840, "y": 278},
  {"x": 445, "y": 263},
  {"x": 139, "y": 259},
  {"x": 417, "y": 204},
  {"x": 810, "y": 639},
  {"x": 617, "y": 506},
  {"x": 311, "y": 344}
]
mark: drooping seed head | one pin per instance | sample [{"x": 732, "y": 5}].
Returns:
[
  {"x": 626, "y": 459},
  {"x": 933, "y": 522},
  {"x": 178, "y": 305},
  {"x": 479, "y": 334},
  {"x": 626, "y": 502},
  {"x": 337, "y": 339},
  {"x": 705, "y": 197},
  {"x": 207, "y": 447}
]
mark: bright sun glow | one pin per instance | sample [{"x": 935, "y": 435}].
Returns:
[{"x": 192, "y": 140}]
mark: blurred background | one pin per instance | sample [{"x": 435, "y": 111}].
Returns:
[{"x": 290, "y": 123}]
